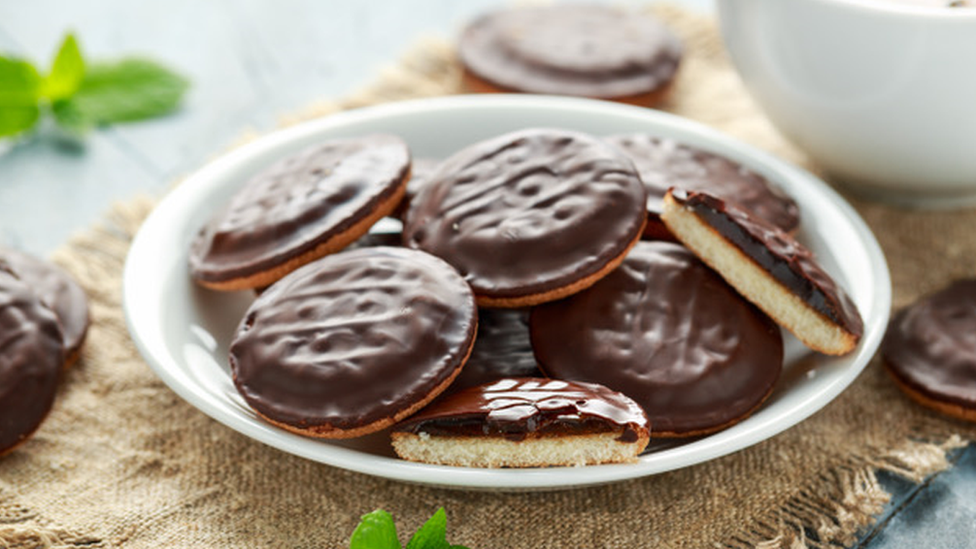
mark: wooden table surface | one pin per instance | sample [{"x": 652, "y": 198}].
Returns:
[{"x": 250, "y": 61}]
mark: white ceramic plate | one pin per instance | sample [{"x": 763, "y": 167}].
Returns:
[{"x": 184, "y": 331}]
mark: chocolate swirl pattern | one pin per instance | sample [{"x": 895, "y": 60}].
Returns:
[
  {"x": 58, "y": 291},
  {"x": 668, "y": 332},
  {"x": 299, "y": 206},
  {"x": 930, "y": 348},
  {"x": 31, "y": 360},
  {"x": 529, "y": 213},
  {"x": 664, "y": 163},
  {"x": 354, "y": 342},
  {"x": 589, "y": 51},
  {"x": 517, "y": 408}
]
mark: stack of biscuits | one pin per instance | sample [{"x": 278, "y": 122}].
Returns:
[
  {"x": 43, "y": 324},
  {"x": 526, "y": 315},
  {"x": 553, "y": 296},
  {"x": 552, "y": 299}
]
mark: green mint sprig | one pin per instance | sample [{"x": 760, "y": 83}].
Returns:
[
  {"x": 82, "y": 95},
  {"x": 377, "y": 531}
]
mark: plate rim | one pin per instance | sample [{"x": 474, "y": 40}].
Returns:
[{"x": 703, "y": 450}]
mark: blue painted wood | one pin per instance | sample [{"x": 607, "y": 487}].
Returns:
[
  {"x": 938, "y": 514},
  {"x": 250, "y": 62},
  {"x": 48, "y": 186}
]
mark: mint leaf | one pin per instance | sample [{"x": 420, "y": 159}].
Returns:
[
  {"x": 376, "y": 531},
  {"x": 433, "y": 534},
  {"x": 67, "y": 116},
  {"x": 83, "y": 96},
  {"x": 131, "y": 89},
  {"x": 19, "y": 92},
  {"x": 66, "y": 72},
  {"x": 14, "y": 120},
  {"x": 19, "y": 83}
]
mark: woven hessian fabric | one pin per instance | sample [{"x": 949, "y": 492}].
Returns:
[{"x": 122, "y": 461}]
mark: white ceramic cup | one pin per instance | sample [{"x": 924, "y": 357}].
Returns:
[{"x": 880, "y": 93}]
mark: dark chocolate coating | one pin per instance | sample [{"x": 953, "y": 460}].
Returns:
[
  {"x": 668, "y": 332},
  {"x": 664, "y": 163},
  {"x": 779, "y": 254},
  {"x": 529, "y": 212},
  {"x": 589, "y": 51},
  {"x": 31, "y": 359},
  {"x": 420, "y": 171},
  {"x": 297, "y": 204},
  {"x": 353, "y": 338},
  {"x": 501, "y": 349},
  {"x": 517, "y": 408},
  {"x": 57, "y": 289},
  {"x": 931, "y": 346}
]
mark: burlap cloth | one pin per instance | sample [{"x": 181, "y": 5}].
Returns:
[{"x": 123, "y": 461}]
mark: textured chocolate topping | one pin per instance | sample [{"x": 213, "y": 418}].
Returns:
[
  {"x": 501, "y": 349},
  {"x": 664, "y": 163},
  {"x": 931, "y": 345},
  {"x": 590, "y": 51},
  {"x": 785, "y": 259},
  {"x": 31, "y": 358},
  {"x": 668, "y": 332},
  {"x": 298, "y": 204},
  {"x": 518, "y": 408},
  {"x": 420, "y": 172},
  {"x": 57, "y": 290},
  {"x": 353, "y": 338},
  {"x": 529, "y": 212}
]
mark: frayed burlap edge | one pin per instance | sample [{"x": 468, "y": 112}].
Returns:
[
  {"x": 24, "y": 536},
  {"x": 832, "y": 508},
  {"x": 93, "y": 256},
  {"x": 20, "y": 528},
  {"x": 827, "y": 510},
  {"x": 841, "y": 502}
]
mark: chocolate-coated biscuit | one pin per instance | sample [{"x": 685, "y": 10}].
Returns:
[
  {"x": 664, "y": 163},
  {"x": 525, "y": 422},
  {"x": 420, "y": 172},
  {"x": 930, "y": 350},
  {"x": 767, "y": 266},
  {"x": 351, "y": 343},
  {"x": 59, "y": 291},
  {"x": 305, "y": 206},
  {"x": 501, "y": 349},
  {"x": 530, "y": 216},
  {"x": 668, "y": 332},
  {"x": 581, "y": 50},
  {"x": 31, "y": 360}
]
